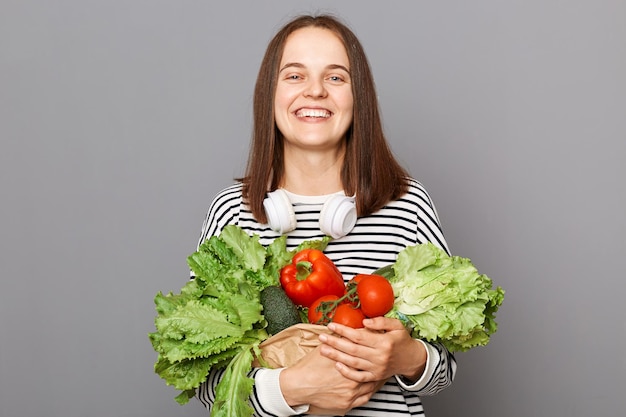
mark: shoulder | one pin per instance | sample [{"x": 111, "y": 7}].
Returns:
[
  {"x": 417, "y": 189},
  {"x": 228, "y": 199},
  {"x": 225, "y": 208},
  {"x": 416, "y": 196},
  {"x": 232, "y": 192},
  {"x": 429, "y": 225}
]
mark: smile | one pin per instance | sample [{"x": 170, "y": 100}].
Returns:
[{"x": 317, "y": 113}]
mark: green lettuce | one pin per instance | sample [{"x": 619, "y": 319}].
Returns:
[
  {"x": 444, "y": 298},
  {"x": 216, "y": 319}
]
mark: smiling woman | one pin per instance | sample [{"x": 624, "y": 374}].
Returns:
[
  {"x": 366, "y": 149},
  {"x": 318, "y": 152}
]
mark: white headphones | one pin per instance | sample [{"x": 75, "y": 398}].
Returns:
[{"x": 337, "y": 218}]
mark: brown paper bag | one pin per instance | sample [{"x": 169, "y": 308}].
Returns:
[{"x": 290, "y": 345}]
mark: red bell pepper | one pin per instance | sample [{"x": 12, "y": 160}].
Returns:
[{"x": 310, "y": 275}]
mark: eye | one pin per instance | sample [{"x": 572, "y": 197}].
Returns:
[
  {"x": 335, "y": 78},
  {"x": 293, "y": 77}
]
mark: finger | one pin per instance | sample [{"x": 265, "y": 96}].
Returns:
[
  {"x": 365, "y": 366},
  {"x": 347, "y": 358},
  {"x": 343, "y": 344},
  {"x": 344, "y": 331},
  {"x": 354, "y": 373},
  {"x": 384, "y": 324},
  {"x": 360, "y": 354},
  {"x": 362, "y": 337}
]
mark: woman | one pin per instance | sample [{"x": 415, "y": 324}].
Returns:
[{"x": 319, "y": 165}]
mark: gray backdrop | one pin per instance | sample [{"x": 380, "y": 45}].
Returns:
[{"x": 119, "y": 121}]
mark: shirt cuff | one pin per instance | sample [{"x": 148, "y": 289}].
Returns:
[
  {"x": 432, "y": 360},
  {"x": 267, "y": 385}
]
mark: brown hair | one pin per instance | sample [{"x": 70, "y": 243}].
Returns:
[{"x": 370, "y": 170}]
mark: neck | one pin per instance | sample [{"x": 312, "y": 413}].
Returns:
[{"x": 313, "y": 173}]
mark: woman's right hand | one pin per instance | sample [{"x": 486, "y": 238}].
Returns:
[{"x": 315, "y": 380}]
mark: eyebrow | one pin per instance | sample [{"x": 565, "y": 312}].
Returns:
[{"x": 299, "y": 65}]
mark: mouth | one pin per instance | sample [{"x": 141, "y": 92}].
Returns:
[{"x": 313, "y": 113}]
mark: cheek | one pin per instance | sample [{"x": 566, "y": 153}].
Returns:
[
  {"x": 283, "y": 96},
  {"x": 279, "y": 103},
  {"x": 282, "y": 103},
  {"x": 348, "y": 107},
  {"x": 281, "y": 107},
  {"x": 346, "y": 101}
]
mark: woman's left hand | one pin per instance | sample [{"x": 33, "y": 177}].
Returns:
[{"x": 380, "y": 350}]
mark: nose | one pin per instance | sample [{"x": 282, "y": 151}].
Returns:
[{"x": 315, "y": 88}]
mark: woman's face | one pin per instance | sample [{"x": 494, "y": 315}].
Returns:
[{"x": 313, "y": 102}]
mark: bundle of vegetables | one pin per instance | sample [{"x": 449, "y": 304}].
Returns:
[
  {"x": 217, "y": 320},
  {"x": 438, "y": 297},
  {"x": 243, "y": 293},
  {"x": 365, "y": 296}
]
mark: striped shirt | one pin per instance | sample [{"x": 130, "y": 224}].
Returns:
[{"x": 374, "y": 242}]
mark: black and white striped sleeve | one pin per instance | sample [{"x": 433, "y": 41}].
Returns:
[
  {"x": 223, "y": 210},
  {"x": 438, "y": 374},
  {"x": 441, "y": 366}
]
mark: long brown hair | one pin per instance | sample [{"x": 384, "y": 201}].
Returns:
[{"x": 370, "y": 170}]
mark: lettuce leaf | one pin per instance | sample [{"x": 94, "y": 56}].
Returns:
[
  {"x": 216, "y": 319},
  {"x": 228, "y": 400},
  {"x": 247, "y": 249},
  {"x": 444, "y": 298}
]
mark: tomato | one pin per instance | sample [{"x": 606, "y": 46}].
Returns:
[
  {"x": 316, "y": 316},
  {"x": 358, "y": 277},
  {"x": 351, "y": 295},
  {"x": 348, "y": 315},
  {"x": 375, "y": 295}
]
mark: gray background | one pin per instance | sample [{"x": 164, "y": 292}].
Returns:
[{"x": 119, "y": 121}]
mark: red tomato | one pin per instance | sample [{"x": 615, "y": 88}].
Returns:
[
  {"x": 351, "y": 286},
  {"x": 375, "y": 294},
  {"x": 348, "y": 315},
  {"x": 358, "y": 277},
  {"x": 317, "y": 316}
]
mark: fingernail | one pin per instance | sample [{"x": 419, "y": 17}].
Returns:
[
  {"x": 332, "y": 327},
  {"x": 323, "y": 337}
]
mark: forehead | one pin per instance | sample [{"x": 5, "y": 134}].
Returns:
[{"x": 314, "y": 45}]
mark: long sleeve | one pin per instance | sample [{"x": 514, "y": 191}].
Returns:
[
  {"x": 438, "y": 374},
  {"x": 374, "y": 242},
  {"x": 266, "y": 398}
]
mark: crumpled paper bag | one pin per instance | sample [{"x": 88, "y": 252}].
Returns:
[{"x": 290, "y": 345}]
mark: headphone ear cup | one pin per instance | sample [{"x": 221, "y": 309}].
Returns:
[
  {"x": 338, "y": 216},
  {"x": 280, "y": 215}
]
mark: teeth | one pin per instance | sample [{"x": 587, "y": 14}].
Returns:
[{"x": 313, "y": 113}]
